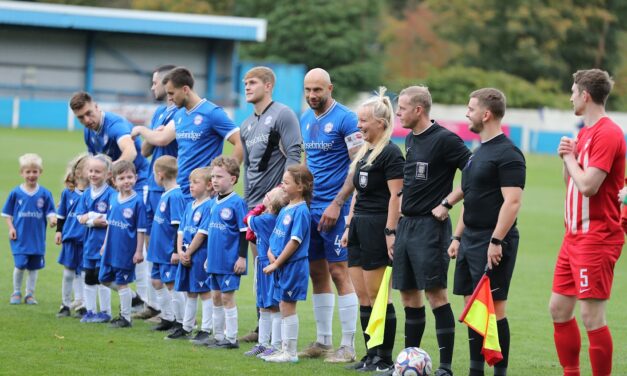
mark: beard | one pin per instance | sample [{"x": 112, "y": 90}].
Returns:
[
  {"x": 475, "y": 127},
  {"x": 321, "y": 103}
]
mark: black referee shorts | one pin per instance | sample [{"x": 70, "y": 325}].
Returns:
[
  {"x": 420, "y": 253},
  {"x": 366, "y": 242},
  {"x": 473, "y": 258}
]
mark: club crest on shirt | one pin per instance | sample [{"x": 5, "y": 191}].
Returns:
[
  {"x": 198, "y": 119},
  {"x": 287, "y": 219},
  {"x": 226, "y": 213},
  {"x": 101, "y": 206},
  {"x": 40, "y": 203},
  {"x": 250, "y": 126},
  {"x": 197, "y": 216},
  {"x": 178, "y": 120},
  {"x": 227, "y": 282},
  {"x": 162, "y": 207},
  {"x": 71, "y": 202},
  {"x": 268, "y": 120},
  {"x": 160, "y": 116},
  {"x": 127, "y": 213},
  {"x": 363, "y": 179},
  {"x": 307, "y": 127},
  {"x": 328, "y": 127},
  {"x": 422, "y": 170},
  {"x": 105, "y": 139},
  {"x": 19, "y": 202}
]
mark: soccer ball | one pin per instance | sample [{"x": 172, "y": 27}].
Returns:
[{"x": 412, "y": 361}]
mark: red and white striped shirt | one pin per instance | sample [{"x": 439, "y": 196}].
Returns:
[{"x": 596, "y": 219}]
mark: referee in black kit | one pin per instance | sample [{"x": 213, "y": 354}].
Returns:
[
  {"x": 433, "y": 154},
  {"x": 492, "y": 185},
  {"x": 377, "y": 175}
]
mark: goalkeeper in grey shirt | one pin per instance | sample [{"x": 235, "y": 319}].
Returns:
[{"x": 271, "y": 141}]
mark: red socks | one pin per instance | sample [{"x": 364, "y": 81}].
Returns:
[
  {"x": 568, "y": 344},
  {"x": 600, "y": 351}
]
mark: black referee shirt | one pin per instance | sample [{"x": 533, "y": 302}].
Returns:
[
  {"x": 371, "y": 182},
  {"x": 431, "y": 159},
  {"x": 496, "y": 163}
]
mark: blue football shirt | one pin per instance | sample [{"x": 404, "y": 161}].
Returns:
[
  {"x": 125, "y": 219},
  {"x": 225, "y": 225},
  {"x": 327, "y": 139},
  {"x": 168, "y": 213},
  {"x": 72, "y": 230},
  {"x": 196, "y": 219},
  {"x": 112, "y": 129},
  {"x": 200, "y": 134},
  {"x": 162, "y": 116},
  {"x": 29, "y": 211},
  {"x": 95, "y": 202},
  {"x": 262, "y": 225},
  {"x": 293, "y": 222}
]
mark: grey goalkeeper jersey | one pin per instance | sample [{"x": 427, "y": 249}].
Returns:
[{"x": 263, "y": 174}]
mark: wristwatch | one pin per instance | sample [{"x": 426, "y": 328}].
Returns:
[
  {"x": 389, "y": 232},
  {"x": 496, "y": 241},
  {"x": 446, "y": 204}
]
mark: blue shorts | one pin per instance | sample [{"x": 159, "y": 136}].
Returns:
[
  {"x": 165, "y": 273},
  {"x": 71, "y": 254},
  {"x": 265, "y": 286},
  {"x": 194, "y": 278},
  {"x": 91, "y": 263},
  {"x": 223, "y": 282},
  {"x": 291, "y": 281},
  {"x": 151, "y": 202},
  {"x": 29, "y": 262},
  {"x": 326, "y": 245},
  {"x": 109, "y": 273}
]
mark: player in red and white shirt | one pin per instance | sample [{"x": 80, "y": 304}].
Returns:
[{"x": 594, "y": 172}]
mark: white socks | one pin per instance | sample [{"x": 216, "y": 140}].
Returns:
[
  {"x": 178, "y": 305},
  {"x": 323, "y": 305},
  {"x": 66, "y": 287},
  {"x": 289, "y": 332},
  {"x": 91, "y": 292},
  {"x": 218, "y": 322},
  {"x": 18, "y": 276},
  {"x": 104, "y": 294},
  {"x": 230, "y": 315},
  {"x": 265, "y": 328},
  {"x": 348, "y": 305},
  {"x": 165, "y": 302},
  {"x": 207, "y": 315},
  {"x": 31, "y": 281},
  {"x": 126, "y": 301},
  {"x": 190, "y": 313},
  {"x": 276, "y": 330},
  {"x": 78, "y": 287}
]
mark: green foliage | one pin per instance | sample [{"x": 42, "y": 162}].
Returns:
[
  {"x": 339, "y": 36},
  {"x": 532, "y": 39},
  {"x": 453, "y": 85}
]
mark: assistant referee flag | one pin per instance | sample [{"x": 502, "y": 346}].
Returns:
[
  {"x": 479, "y": 315},
  {"x": 376, "y": 324}
]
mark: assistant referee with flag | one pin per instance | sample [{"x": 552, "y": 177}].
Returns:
[{"x": 492, "y": 185}]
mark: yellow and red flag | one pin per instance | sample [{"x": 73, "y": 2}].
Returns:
[{"x": 479, "y": 315}]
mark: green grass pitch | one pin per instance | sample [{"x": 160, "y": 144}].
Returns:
[{"x": 34, "y": 342}]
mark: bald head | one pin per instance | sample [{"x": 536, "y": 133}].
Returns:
[
  {"x": 318, "y": 89},
  {"x": 318, "y": 75}
]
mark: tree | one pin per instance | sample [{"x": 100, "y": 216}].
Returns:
[
  {"x": 532, "y": 39},
  {"x": 339, "y": 36}
]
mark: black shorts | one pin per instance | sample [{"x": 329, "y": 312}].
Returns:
[
  {"x": 366, "y": 242},
  {"x": 473, "y": 258},
  {"x": 420, "y": 253}
]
